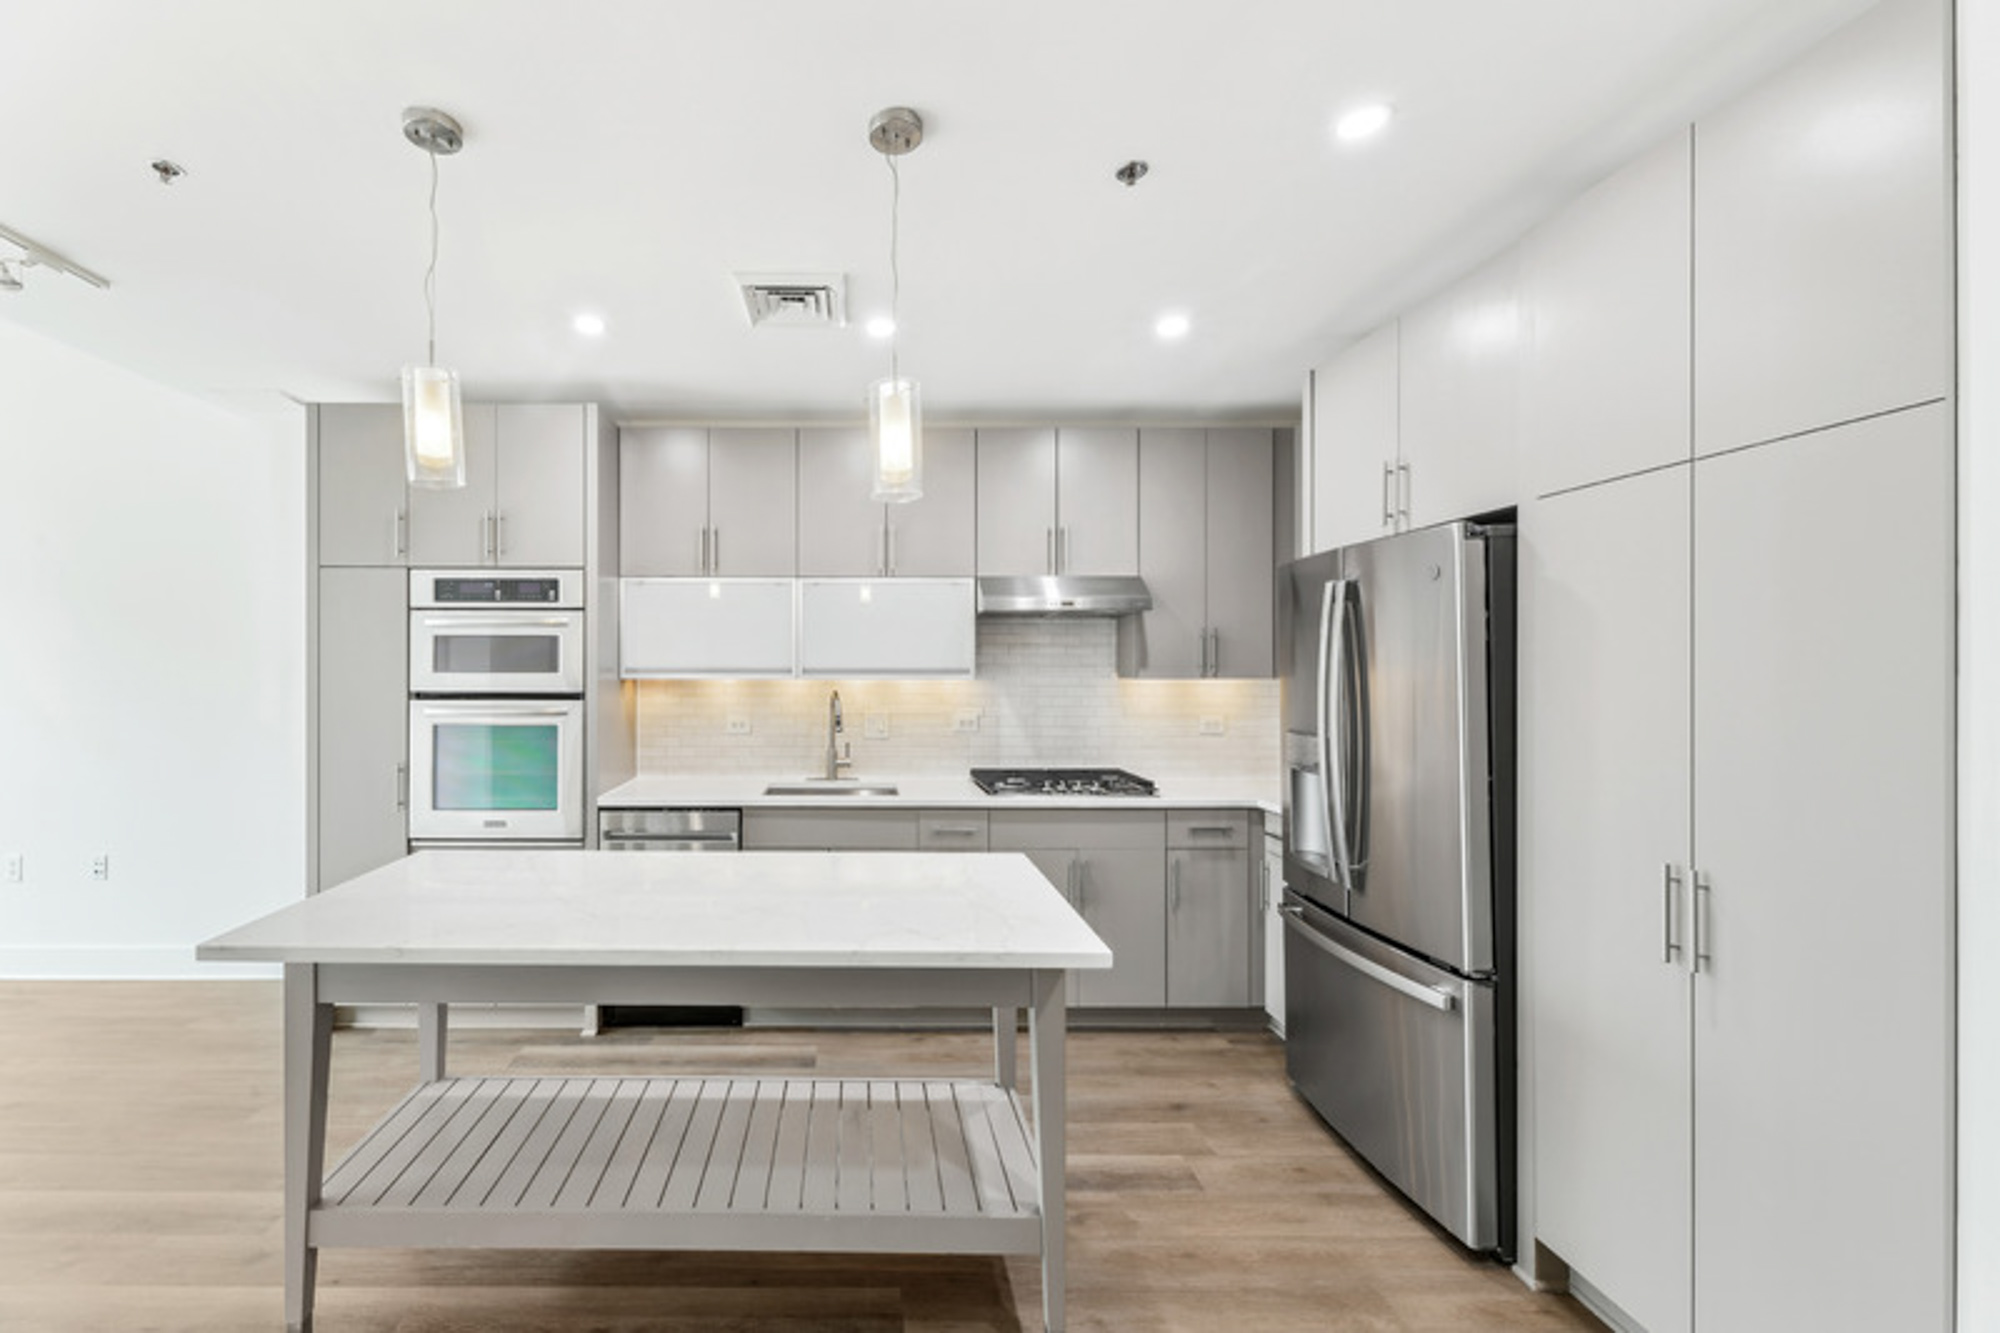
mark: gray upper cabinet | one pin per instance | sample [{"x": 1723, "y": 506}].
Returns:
[
  {"x": 1822, "y": 273},
  {"x": 701, "y": 501},
  {"x": 522, "y": 504},
  {"x": 843, "y": 533},
  {"x": 363, "y": 505},
  {"x": 1605, "y": 299},
  {"x": 1204, "y": 523},
  {"x": 1058, "y": 501}
]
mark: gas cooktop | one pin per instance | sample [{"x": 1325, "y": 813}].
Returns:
[{"x": 1062, "y": 782}]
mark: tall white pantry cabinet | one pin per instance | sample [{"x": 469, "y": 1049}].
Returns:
[{"x": 1738, "y": 656}]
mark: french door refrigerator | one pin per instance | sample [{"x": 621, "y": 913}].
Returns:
[{"x": 1398, "y": 684}]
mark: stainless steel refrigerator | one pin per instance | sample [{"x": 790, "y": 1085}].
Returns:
[{"x": 1398, "y": 690}]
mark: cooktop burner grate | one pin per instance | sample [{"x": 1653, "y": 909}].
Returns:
[{"x": 1062, "y": 782}]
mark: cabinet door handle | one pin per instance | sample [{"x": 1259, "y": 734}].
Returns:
[
  {"x": 499, "y": 533},
  {"x": 1704, "y": 957},
  {"x": 1215, "y": 652},
  {"x": 715, "y": 550},
  {"x": 1670, "y": 892},
  {"x": 955, "y": 831},
  {"x": 1403, "y": 493},
  {"x": 1062, "y": 549},
  {"x": 1210, "y": 830},
  {"x": 892, "y": 549},
  {"x": 1049, "y": 541},
  {"x": 1202, "y": 638},
  {"x": 1174, "y": 887},
  {"x": 1388, "y": 505},
  {"x": 399, "y": 532},
  {"x": 402, "y": 786},
  {"x": 1264, "y": 885}
]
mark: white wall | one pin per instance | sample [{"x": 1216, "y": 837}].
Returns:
[
  {"x": 1979, "y": 666},
  {"x": 152, "y": 665}
]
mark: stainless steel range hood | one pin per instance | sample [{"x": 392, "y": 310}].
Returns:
[{"x": 1054, "y": 596}]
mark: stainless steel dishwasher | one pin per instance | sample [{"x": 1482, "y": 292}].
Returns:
[
  {"x": 661, "y": 830},
  {"x": 657, "y": 830}
]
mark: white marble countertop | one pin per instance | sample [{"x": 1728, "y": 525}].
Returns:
[
  {"x": 767, "y": 909},
  {"x": 946, "y": 791}
]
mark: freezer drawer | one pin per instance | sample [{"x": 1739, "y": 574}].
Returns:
[{"x": 1398, "y": 1057}]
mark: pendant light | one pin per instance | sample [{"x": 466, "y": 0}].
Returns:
[
  {"x": 895, "y": 416},
  {"x": 433, "y": 424}
]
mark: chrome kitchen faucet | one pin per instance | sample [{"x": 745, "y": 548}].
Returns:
[{"x": 835, "y": 761}]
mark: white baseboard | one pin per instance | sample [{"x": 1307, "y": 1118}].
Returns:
[{"x": 101, "y": 964}]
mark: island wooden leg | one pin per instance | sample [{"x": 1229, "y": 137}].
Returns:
[
  {"x": 1047, "y": 1029},
  {"x": 433, "y": 1026},
  {"x": 308, "y": 1046},
  {"x": 1005, "y": 1022}
]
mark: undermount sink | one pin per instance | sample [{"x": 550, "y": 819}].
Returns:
[{"x": 830, "y": 787}]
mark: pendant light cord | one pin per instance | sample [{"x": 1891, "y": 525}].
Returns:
[
  {"x": 430, "y": 274},
  {"x": 895, "y": 270}
]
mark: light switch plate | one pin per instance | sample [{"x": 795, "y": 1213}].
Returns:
[
  {"x": 965, "y": 719},
  {"x": 739, "y": 726},
  {"x": 875, "y": 726},
  {"x": 1212, "y": 726}
]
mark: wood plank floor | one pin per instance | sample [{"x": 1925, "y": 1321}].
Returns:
[{"x": 140, "y": 1182}]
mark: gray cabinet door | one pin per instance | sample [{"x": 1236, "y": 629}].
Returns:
[
  {"x": 753, "y": 502},
  {"x": 539, "y": 485},
  {"x": 1120, "y": 893},
  {"x": 1823, "y": 723},
  {"x": 1208, "y": 927},
  {"x": 456, "y": 527},
  {"x": 841, "y": 529},
  {"x": 1822, "y": 224},
  {"x": 662, "y": 501},
  {"x": 362, "y": 508},
  {"x": 1605, "y": 726},
  {"x": 1173, "y": 555},
  {"x": 1097, "y": 500},
  {"x": 1241, "y": 560},
  {"x": 1017, "y": 501},
  {"x": 936, "y": 537},
  {"x": 362, "y": 721}
]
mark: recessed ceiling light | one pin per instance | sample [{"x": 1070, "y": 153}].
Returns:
[
  {"x": 881, "y": 326},
  {"x": 1362, "y": 122},
  {"x": 590, "y": 326},
  {"x": 1172, "y": 325}
]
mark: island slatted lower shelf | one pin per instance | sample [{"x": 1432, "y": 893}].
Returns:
[{"x": 692, "y": 1163}]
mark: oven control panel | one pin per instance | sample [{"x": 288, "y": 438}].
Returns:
[{"x": 471, "y": 588}]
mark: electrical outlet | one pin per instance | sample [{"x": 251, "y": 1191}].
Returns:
[
  {"x": 1212, "y": 726},
  {"x": 739, "y": 726},
  {"x": 965, "y": 719},
  {"x": 100, "y": 866},
  {"x": 875, "y": 726},
  {"x": 13, "y": 868}
]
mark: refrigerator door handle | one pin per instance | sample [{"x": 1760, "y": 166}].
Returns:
[
  {"x": 1441, "y": 1000},
  {"x": 1351, "y": 707},
  {"x": 1332, "y": 646}
]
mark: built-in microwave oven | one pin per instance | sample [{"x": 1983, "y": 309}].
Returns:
[
  {"x": 496, "y": 770},
  {"x": 496, "y": 632}
]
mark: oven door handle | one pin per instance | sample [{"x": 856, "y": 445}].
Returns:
[
  {"x": 461, "y": 621},
  {"x": 473, "y": 708}
]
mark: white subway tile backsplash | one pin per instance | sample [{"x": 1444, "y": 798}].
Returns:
[{"x": 1047, "y": 692}]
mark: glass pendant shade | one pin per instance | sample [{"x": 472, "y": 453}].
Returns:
[
  {"x": 433, "y": 427},
  {"x": 895, "y": 425}
]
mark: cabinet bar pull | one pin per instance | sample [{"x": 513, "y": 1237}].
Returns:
[
  {"x": 400, "y": 532},
  {"x": 1062, "y": 550},
  {"x": 1174, "y": 887},
  {"x": 715, "y": 550},
  {"x": 954, "y": 831},
  {"x": 402, "y": 786},
  {"x": 1704, "y": 959},
  {"x": 1670, "y": 885},
  {"x": 499, "y": 533},
  {"x": 1388, "y": 509},
  {"x": 892, "y": 549},
  {"x": 1049, "y": 539},
  {"x": 1403, "y": 493},
  {"x": 1204, "y": 651},
  {"x": 701, "y": 550}
]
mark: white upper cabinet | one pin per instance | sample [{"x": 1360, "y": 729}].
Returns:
[
  {"x": 1459, "y": 373},
  {"x": 713, "y": 502},
  {"x": 1058, "y": 501},
  {"x": 1354, "y": 442},
  {"x": 1606, "y": 309},
  {"x": 845, "y": 532},
  {"x": 1822, "y": 278},
  {"x": 707, "y": 627},
  {"x": 902, "y": 628}
]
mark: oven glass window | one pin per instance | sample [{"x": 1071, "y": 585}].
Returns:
[
  {"x": 490, "y": 766},
  {"x": 465, "y": 654}
]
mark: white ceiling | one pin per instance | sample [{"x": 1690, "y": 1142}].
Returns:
[{"x": 627, "y": 156}]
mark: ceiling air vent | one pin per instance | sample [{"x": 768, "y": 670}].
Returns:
[{"x": 797, "y": 300}]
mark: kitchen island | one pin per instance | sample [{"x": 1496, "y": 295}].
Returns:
[{"x": 895, "y": 1165}]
